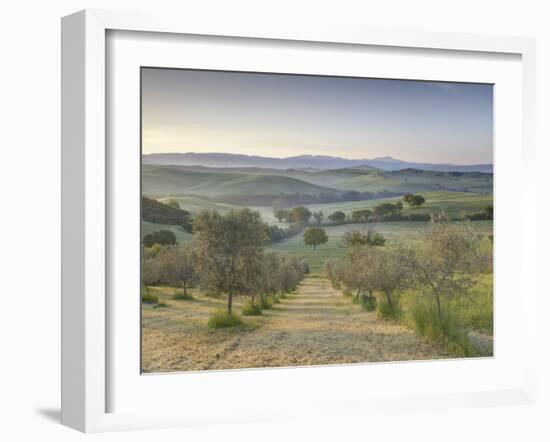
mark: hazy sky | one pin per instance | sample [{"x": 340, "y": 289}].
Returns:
[{"x": 286, "y": 115}]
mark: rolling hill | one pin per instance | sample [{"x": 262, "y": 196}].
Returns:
[
  {"x": 302, "y": 161},
  {"x": 256, "y": 186},
  {"x": 411, "y": 181},
  {"x": 218, "y": 183}
]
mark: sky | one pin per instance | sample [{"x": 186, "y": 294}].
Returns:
[{"x": 280, "y": 115}]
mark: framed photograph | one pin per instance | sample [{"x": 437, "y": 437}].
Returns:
[{"x": 280, "y": 223}]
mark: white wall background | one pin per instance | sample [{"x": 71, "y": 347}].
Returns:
[{"x": 30, "y": 214}]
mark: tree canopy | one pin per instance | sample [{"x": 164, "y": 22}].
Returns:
[
  {"x": 156, "y": 212},
  {"x": 362, "y": 238},
  {"x": 359, "y": 216},
  {"x": 315, "y": 236},
  {"x": 227, "y": 246},
  {"x": 337, "y": 217},
  {"x": 416, "y": 200},
  {"x": 299, "y": 214},
  {"x": 162, "y": 237}
]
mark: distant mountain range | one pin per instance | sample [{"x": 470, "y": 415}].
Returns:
[{"x": 319, "y": 162}]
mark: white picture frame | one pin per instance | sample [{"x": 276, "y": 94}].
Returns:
[{"x": 86, "y": 356}]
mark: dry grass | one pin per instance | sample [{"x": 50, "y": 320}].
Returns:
[{"x": 314, "y": 325}]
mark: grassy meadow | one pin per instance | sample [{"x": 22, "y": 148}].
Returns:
[
  {"x": 317, "y": 318},
  {"x": 398, "y": 231}
]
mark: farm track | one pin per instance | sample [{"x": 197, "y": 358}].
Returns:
[{"x": 315, "y": 325}]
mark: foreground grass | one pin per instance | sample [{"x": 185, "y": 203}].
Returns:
[
  {"x": 466, "y": 327},
  {"x": 178, "y": 336},
  {"x": 223, "y": 319}
]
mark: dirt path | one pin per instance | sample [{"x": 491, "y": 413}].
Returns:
[{"x": 317, "y": 325}]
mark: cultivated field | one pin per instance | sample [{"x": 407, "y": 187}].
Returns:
[{"x": 314, "y": 325}]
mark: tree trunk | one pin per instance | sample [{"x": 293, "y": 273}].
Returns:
[
  {"x": 229, "y": 301},
  {"x": 314, "y": 246},
  {"x": 185, "y": 287},
  {"x": 438, "y": 305},
  {"x": 388, "y": 297},
  {"x": 370, "y": 295},
  {"x": 357, "y": 295}
]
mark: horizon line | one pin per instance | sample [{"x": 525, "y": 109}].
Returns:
[{"x": 388, "y": 158}]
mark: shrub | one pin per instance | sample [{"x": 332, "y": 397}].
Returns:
[
  {"x": 251, "y": 309},
  {"x": 160, "y": 304},
  {"x": 149, "y": 298},
  {"x": 265, "y": 304},
  {"x": 387, "y": 311},
  {"x": 275, "y": 300},
  {"x": 369, "y": 304},
  {"x": 223, "y": 319},
  {"x": 445, "y": 330}
]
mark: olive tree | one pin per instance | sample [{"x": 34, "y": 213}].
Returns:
[
  {"x": 175, "y": 265},
  {"x": 149, "y": 274},
  {"x": 268, "y": 277},
  {"x": 334, "y": 271},
  {"x": 291, "y": 272},
  {"x": 390, "y": 274},
  {"x": 369, "y": 238},
  {"x": 445, "y": 261},
  {"x": 226, "y": 245}
]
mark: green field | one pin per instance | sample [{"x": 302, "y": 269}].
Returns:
[
  {"x": 226, "y": 184},
  {"x": 194, "y": 204},
  {"x": 212, "y": 182},
  {"x": 403, "y": 231},
  {"x": 455, "y": 204}
]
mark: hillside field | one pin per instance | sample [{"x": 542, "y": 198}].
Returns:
[
  {"x": 454, "y": 204},
  {"x": 403, "y": 231},
  {"x": 248, "y": 184}
]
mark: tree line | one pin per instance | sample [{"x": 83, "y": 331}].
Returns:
[
  {"x": 226, "y": 255},
  {"x": 302, "y": 215},
  {"x": 156, "y": 212},
  {"x": 440, "y": 266}
]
